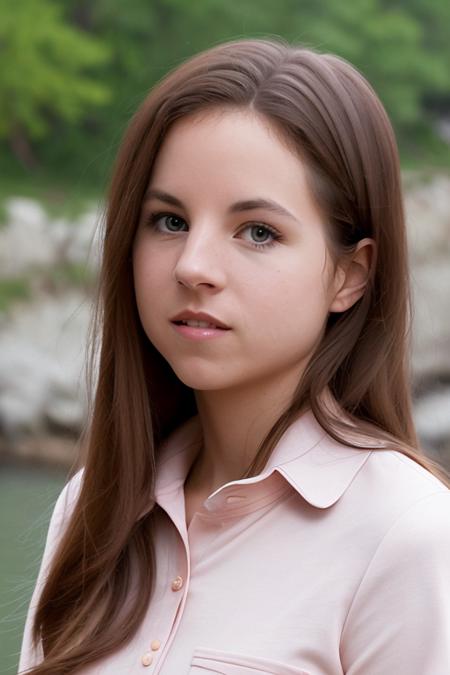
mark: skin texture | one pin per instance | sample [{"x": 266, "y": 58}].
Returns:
[{"x": 275, "y": 298}]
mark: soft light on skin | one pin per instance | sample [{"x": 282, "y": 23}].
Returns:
[{"x": 275, "y": 298}]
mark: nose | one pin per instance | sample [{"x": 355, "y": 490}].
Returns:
[{"x": 201, "y": 261}]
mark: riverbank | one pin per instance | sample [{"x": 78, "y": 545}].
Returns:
[{"x": 48, "y": 270}]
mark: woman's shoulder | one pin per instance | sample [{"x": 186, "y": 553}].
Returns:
[
  {"x": 70, "y": 492},
  {"x": 396, "y": 471},
  {"x": 389, "y": 471},
  {"x": 387, "y": 475},
  {"x": 403, "y": 596},
  {"x": 65, "y": 505},
  {"x": 393, "y": 491}
]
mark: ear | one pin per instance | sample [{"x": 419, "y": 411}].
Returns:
[{"x": 352, "y": 276}]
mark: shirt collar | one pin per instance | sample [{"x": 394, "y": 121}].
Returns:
[{"x": 319, "y": 468}]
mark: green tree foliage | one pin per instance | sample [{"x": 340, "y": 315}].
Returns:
[
  {"x": 390, "y": 42},
  {"x": 44, "y": 64},
  {"x": 59, "y": 62},
  {"x": 433, "y": 17}
]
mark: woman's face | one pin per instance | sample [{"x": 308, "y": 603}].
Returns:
[{"x": 262, "y": 270}]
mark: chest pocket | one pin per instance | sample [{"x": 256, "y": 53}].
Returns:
[{"x": 216, "y": 662}]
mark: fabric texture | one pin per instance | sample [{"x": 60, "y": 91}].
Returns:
[{"x": 332, "y": 560}]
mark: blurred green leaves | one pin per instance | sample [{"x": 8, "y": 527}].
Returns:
[
  {"x": 72, "y": 72},
  {"x": 44, "y": 68}
]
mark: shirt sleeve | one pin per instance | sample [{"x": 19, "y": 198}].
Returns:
[
  {"x": 31, "y": 655},
  {"x": 399, "y": 619}
]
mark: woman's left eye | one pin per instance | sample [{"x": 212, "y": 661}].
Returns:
[{"x": 258, "y": 231}]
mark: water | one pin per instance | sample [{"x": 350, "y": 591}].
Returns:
[{"x": 27, "y": 497}]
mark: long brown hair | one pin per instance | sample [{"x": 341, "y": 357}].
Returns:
[{"x": 330, "y": 115}]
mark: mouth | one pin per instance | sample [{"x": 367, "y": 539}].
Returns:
[
  {"x": 193, "y": 318},
  {"x": 199, "y": 324}
]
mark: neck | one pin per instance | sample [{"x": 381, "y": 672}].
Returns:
[{"x": 234, "y": 423}]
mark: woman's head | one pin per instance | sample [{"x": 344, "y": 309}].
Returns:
[
  {"x": 323, "y": 113},
  {"x": 207, "y": 242}
]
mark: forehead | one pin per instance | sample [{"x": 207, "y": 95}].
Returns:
[
  {"x": 215, "y": 119},
  {"x": 229, "y": 144}
]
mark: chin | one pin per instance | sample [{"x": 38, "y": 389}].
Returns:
[
  {"x": 206, "y": 378},
  {"x": 202, "y": 383}
]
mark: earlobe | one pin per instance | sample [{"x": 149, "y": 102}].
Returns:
[{"x": 353, "y": 276}]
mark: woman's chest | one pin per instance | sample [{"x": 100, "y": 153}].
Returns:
[
  {"x": 265, "y": 592},
  {"x": 261, "y": 593}
]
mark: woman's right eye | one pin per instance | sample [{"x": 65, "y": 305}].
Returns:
[{"x": 159, "y": 221}]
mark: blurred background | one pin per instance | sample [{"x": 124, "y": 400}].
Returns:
[{"x": 71, "y": 75}]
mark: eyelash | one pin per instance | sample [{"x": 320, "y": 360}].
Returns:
[{"x": 153, "y": 218}]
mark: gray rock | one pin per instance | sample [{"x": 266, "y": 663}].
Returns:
[
  {"x": 42, "y": 343},
  {"x": 42, "y": 353},
  {"x": 30, "y": 239},
  {"x": 432, "y": 416}
]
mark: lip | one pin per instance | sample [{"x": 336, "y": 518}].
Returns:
[
  {"x": 189, "y": 314},
  {"x": 197, "y": 333}
]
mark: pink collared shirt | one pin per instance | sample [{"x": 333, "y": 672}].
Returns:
[{"x": 333, "y": 560}]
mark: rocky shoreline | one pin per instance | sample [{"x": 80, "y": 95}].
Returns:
[{"x": 47, "y": 276}]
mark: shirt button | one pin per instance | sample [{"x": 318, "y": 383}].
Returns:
[
  {"x": 155, "y": 645},
  {"x": 147, "y": 658},
  {"x": 177, "y": 583}
]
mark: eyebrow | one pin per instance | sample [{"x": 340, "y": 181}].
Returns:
[{"x": 237, "y": 207}]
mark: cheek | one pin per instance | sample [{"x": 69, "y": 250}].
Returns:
[
  {"x": 150, "y": 287},
  {"x": 293, "y": 294},
  {"x": 149, "y": 272},
  {"x": 292, "y": 312}
]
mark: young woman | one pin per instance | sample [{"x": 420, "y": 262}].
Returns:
[{"x": 253, "y": 497}]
